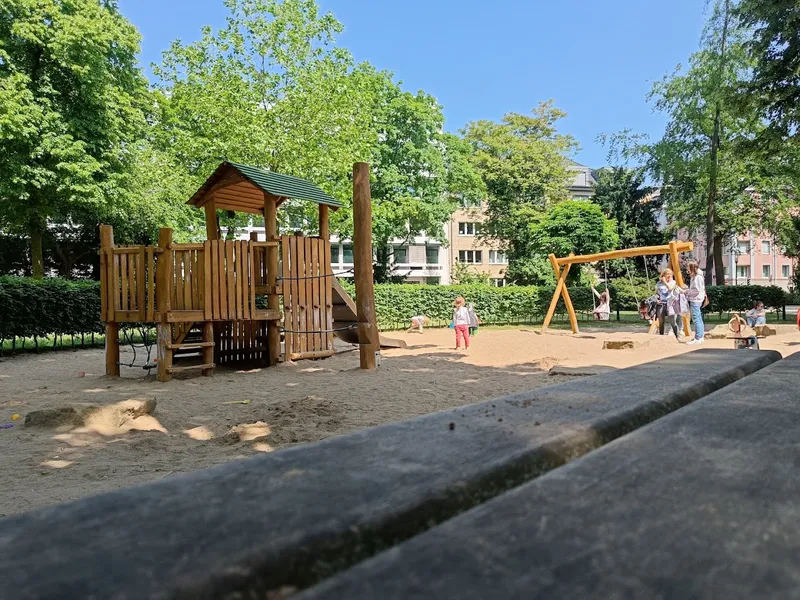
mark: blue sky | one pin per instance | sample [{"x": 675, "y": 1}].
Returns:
[{"x": 595, "y": 58}]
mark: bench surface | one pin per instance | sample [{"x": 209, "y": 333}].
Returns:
[
  {"x": 703, "y": 503},
  {"x": 299, "y": 515}
]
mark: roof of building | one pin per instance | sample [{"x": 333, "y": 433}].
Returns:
[{"x": 241, "y": 188}]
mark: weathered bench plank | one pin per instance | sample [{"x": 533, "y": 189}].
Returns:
[
  {"x": 296, "y": 516},
  {"x": 704, "y": 503}
]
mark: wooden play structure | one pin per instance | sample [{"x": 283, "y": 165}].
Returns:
[
  {"x": 236, "y": 301},
  {"x": 561, "y": 267}
]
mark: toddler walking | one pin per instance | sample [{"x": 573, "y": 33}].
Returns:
[{"x": 461, "y": 322}]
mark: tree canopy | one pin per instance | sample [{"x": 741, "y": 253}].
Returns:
[
  {"x": 72, "y": 106},
  {"x": 523, "y": 162}
]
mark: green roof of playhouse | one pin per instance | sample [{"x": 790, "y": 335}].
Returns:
[{"x": 241, "y": 188}]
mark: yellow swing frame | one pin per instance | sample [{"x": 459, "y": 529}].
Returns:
[{"x": 673, "y": 249}]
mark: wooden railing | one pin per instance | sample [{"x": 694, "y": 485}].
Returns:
[{"x": 209, "y": 281}]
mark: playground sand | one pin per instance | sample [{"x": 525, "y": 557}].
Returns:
[{"x": 199, "y": 422}]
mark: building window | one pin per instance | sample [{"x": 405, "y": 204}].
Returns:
[
  {"x": 432, "y": 280},
  {"x": 470, "y": 257},
  {"x": 467, "y": 228},
  {"x": 347, "y": 253},
  {"x": 401, "y": 255},
  {"x": 432, "y": 255},
  {"x": 744, "y": 248},
  {"x": 499, "y": 282},
  {"x": 743, "y": 272},
  {"x": 786, "y": 271},
  {"x": 766, "y": 247},
  {"x": 469, "y": 203},
  {"x": 765, "y": 271},
  {"x": 335, "y": 254},
  {"x": 497, "y": 258}
]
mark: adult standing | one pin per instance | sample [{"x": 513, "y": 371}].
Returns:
[{"x": 696, "y": 296}]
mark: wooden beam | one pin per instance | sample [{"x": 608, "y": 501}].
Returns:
[
  {"x": 324, "y": 223},
  {"x": 368, "y": 339},
  {"x": 164, "y": 283},
  {"x": 627, "y": 253},
  {"x": 273, "y": 300},
  {"x": 108, "y": 292},
  {"x": 212, "y": 225},
  {"x": 676, "y": 268},
  {"x": 561, "y": 289}
]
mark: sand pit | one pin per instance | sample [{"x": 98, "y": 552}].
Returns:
[{"x": 199, "y": 422}]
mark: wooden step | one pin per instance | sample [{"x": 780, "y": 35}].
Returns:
[
  {"x": 191, "y": 368},
  {"x": 190, "y": 346}
]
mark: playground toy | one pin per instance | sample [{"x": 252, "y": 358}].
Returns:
[
  {"x": 672, "y": 249},
  {"x": 207, "y": 297}
]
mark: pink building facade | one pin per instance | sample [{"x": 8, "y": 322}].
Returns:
[{"x": 750, "y": 259}]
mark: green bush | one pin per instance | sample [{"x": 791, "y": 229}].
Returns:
[
  {"x": 56, "y": 307},
  {"x": 31, "y": 308},
  {"x": 395, "y": 304}
]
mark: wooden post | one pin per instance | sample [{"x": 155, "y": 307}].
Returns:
[
  {"x": 324, "y": 223},
  {"x": 273, "y": 301},
  {"x": 164, "y": 283},
  {"x": 561, "y": 290},
  {"x": 369, "y": 345},
  {"x": 676, "y": 267},
  {"x": 108, "y": 288},
  {"x": 212, "y": 225},
  {"x": 208, "y": 351}
]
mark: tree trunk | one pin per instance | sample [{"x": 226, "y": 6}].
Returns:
[
  {"x": 37, "y": 254},
  {"x": 718, "y": 266},
  {"x": 381, "y": 269},
  {"x": 712, "y": 253}
]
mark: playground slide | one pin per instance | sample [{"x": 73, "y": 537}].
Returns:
[{"x": 344, "y": 314}]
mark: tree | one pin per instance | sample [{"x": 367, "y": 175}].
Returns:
[
  {"x": 418, "y": 173},
  {"x": 624, "y": 197},
  {"x": 273, "y": 90},
  {"x": 572, "y": 226},
  {"x": 71, "y": 109},
  {"x": 463, "y": 275},
  {"x": 523, "y": 163},
  {"x": 774, "y": 49},
  {"x": 269, "y": 89}
]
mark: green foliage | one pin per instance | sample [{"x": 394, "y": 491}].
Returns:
[
  {"x": 572, "y": 226},
  {"x": 523, "y": 163},
  {"x": 624, "y": 197},
  {"x": 463, "y": 274},
  {"x": 739, "y": 298},
  {"x": 396, "y": 304},
  {"x": 31, "y": 308},
  {"x": 775, "y": 54},
  {"x": 71, "y": 108}
]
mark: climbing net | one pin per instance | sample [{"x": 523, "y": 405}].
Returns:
[{"x": 147, "y": 334}]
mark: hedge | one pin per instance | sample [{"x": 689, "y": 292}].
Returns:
[
  {"x": 395, "y": 304},
  {"x": 31, "y": 308},
  {"x": 39, "y": 308}
]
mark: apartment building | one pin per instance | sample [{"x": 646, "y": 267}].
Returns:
[
  {"x": 420, "y": 260},
  {"x": 751, "y": 259},
  {"x": 466, "y": 246},
  {"x": 463, "y": 230}
]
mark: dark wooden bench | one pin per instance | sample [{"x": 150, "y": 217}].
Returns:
[
  {"x": 293, "y": 518},
  {"x": 704, "y": 503}
]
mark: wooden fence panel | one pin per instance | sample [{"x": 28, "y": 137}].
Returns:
[{"x": 307, "y": 297}]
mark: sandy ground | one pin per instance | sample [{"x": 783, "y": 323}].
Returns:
[{"x": 199, "y": 422}]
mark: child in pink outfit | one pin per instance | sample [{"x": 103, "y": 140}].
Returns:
[{"x": 461, "y": 322}]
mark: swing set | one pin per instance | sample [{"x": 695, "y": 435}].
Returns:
[{"x": 561, "y": 267}]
